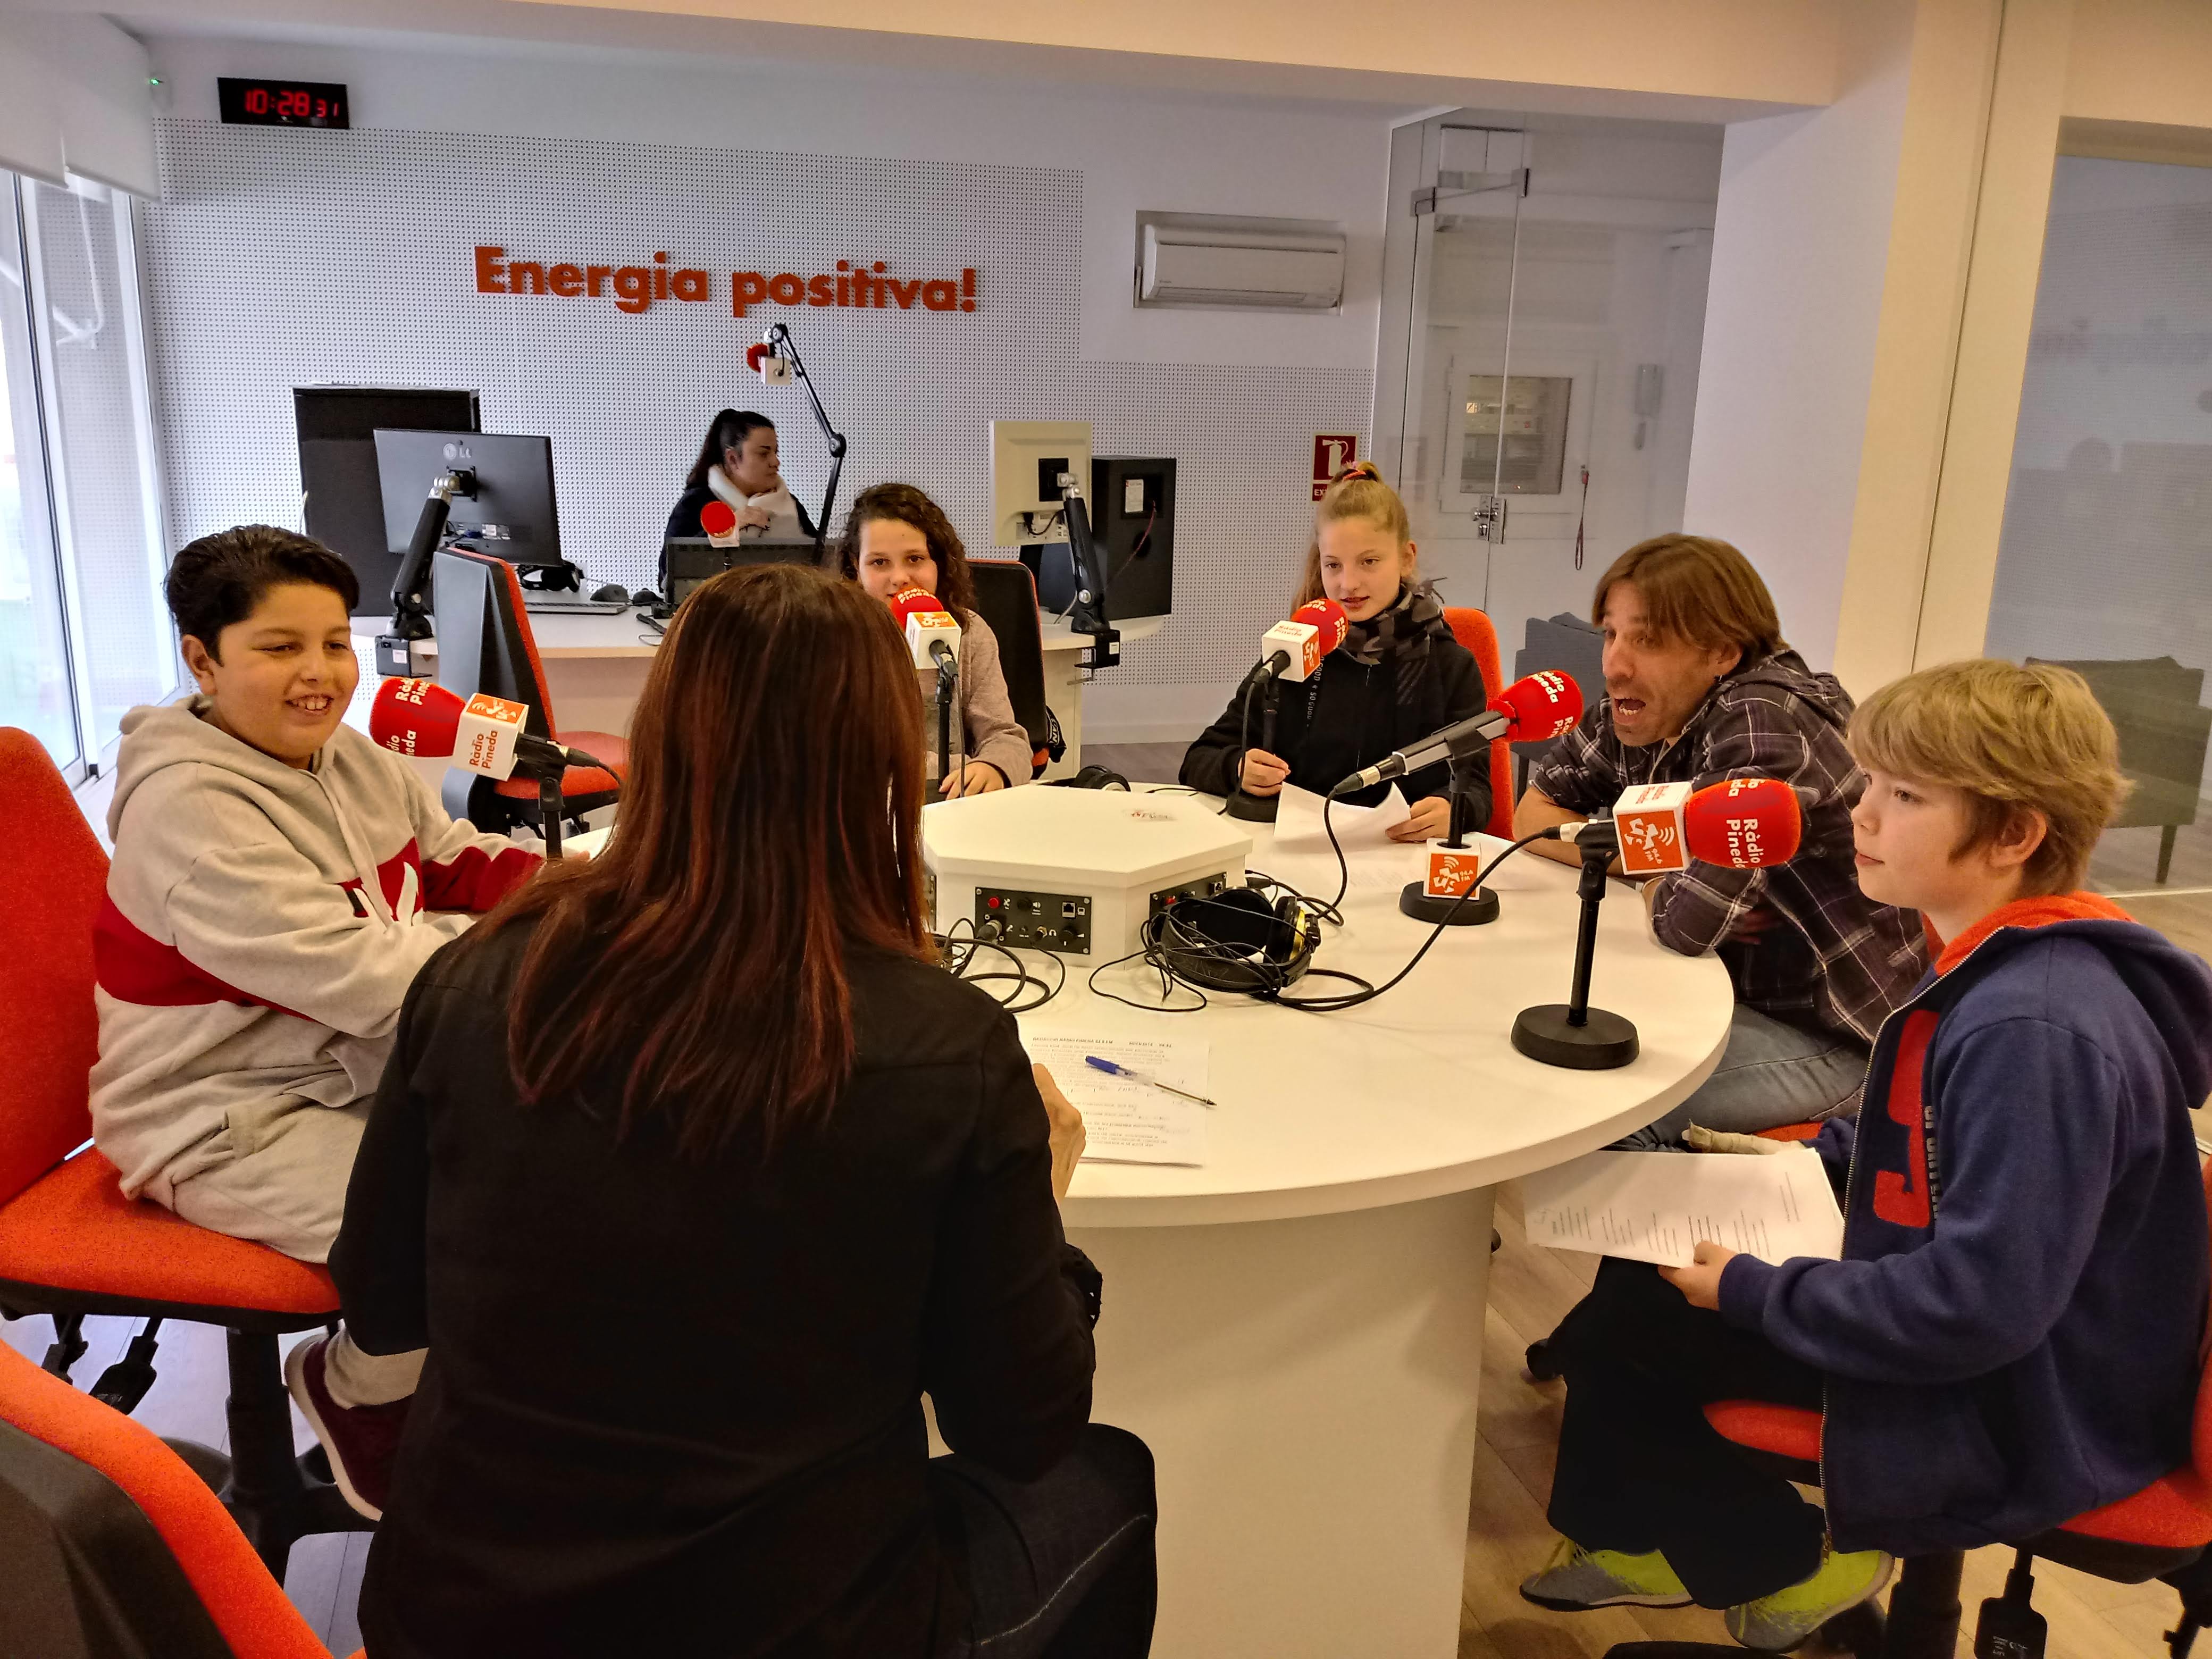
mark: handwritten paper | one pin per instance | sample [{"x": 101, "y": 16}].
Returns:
[
  {"x": 1126, "y": 1122},
  {"x": 1656, "y": 1206}
]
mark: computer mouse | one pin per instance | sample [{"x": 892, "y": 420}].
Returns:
[{"x": 612, "y": 593}]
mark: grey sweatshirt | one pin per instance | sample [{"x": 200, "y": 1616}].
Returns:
[{"x": 261, "y": 926}]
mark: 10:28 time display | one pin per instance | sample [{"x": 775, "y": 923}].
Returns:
[{"x": 283, "y": 103}]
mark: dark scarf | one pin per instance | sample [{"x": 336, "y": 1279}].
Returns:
[{"x": 1404, "y": 632}]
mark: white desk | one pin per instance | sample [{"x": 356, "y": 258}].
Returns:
[
  {"x": 595, "y": 669},
  {"x": 1296, "y": 1328}
]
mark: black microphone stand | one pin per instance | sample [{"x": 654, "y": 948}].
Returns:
[
  {"x": 1415, "y": 899},
  {"x": 947, "y": 680},
  {"x": 1258, "y": 809},
  {"x": 410, "y": 616},
  {"x": 1088, "y": 614},
  {"x": 779, "y": 341},
  {"x": 1573, "y": 1034}
]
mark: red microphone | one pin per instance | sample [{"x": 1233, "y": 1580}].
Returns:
[
  {"x": 1739, "y": 824},
  {"x": 717, "y": 522},
  {"x": 1292, "y": 650},
  {"x": 482, "y": 734},
  {"x": 932, "y": 634},
  {"x": 1532, "y": 710}
]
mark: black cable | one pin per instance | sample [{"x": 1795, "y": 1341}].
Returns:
[
  {"x": 1343, "y": 869},
  {"x": 1170, "y": 983},
  {"x": 959, "y": 953},
  {"x": 1332, "y": 1005},
  {"x": 1321, "y": 907}
]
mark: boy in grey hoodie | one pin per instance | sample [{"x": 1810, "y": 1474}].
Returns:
[{"x": 277, "y": 882}]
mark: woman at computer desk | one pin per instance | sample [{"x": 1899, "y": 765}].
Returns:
[
  {"x": 739, "y": 463},
  {"x": 694, "y": 1172},
  {"x": 896, "y": 537}
]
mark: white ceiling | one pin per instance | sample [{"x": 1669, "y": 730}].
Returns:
[{"x": 512, "y": 28}]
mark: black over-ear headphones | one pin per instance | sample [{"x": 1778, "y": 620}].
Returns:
[{"x": 1236, "y": 940}]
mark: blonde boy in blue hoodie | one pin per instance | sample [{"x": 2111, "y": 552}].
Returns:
[{"x": 2010, "y": 1339}]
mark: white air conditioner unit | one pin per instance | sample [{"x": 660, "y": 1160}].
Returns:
[{"x": 1254, "y": 264}]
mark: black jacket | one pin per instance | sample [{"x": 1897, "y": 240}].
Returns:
[
  {"x": 683, "y": 517},
  {"x": 1348, "y": 716},
  {"x": 674, "y": 1406}
]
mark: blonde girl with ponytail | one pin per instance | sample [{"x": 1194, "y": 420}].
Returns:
[{"x": 1398, "y": 677}]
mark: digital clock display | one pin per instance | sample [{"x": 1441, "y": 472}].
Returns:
[{"x": 283, "y": 103}]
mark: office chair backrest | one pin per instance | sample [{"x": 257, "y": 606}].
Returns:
[
  {"x": 484, "y": 639},
  {"x": 1473, "y": 629},
  {"x": 1006, "y": 598},
  {"x": 1570, "y": 645},
  {"x": 113, "y": 1547},
  {"x": 52, "y": 884}
]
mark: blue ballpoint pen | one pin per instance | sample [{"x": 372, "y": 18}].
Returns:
[{"x": 1113, "y": 1070}]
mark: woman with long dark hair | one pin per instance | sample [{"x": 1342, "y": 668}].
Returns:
[
  {"x": 694, "y": 1172},
  {"x": 895, "y": 538},
  {"x": 739, "y": 463}
]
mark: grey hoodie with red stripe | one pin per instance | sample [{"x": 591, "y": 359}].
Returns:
[{"x": 262, "y": 925}]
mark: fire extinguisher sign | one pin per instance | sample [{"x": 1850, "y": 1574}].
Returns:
[{"x": 1333, "y": 452}]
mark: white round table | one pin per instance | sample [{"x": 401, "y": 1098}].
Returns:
[{"x": 1295, "y": 1327}]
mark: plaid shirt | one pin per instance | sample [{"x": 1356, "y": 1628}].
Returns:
[{"x": 1830, "y": 958}]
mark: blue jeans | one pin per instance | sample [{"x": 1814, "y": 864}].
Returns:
[
  {"x": 1772, "y": 1074},
  {"x": 1061, "y": 1567}
]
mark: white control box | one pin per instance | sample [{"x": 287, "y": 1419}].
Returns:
[{"x": 1073, "y": 871}]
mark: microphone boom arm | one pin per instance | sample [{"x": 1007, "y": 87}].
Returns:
[
  {"x": 779, "y": 339},
  {"x": 410, "y": 618}
]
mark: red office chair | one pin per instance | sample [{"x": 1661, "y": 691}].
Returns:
[
  {"x": 2161, "y": 1531},
  {"x": 70, "y": 1243},
  {"x": 114, "y": 1544},
  {"x": 506, "y": 664},
  {"x": 1472, "y": 629}
]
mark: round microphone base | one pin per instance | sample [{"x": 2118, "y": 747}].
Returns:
[
  {"x": 1251, "y": 809},
  {"x": 1602, "y": 1042},
  {"x": 1481, "y": 906}
]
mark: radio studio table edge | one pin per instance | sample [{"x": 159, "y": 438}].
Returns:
[{"x": 1295, "y": 1327}]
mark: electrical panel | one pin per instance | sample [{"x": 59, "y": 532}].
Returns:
[
  {"x": 1036, "y": 922},
  {"x": 1169, "y": 897}
]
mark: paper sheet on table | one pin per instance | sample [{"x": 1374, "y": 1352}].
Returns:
[
  {"x": 1299, "y": 821},
  {"x": 1125, "y": 1121},
  {"x": 1655, "y": 1207}
]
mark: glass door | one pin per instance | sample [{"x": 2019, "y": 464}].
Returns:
[{"x": 1544, "y": 309}]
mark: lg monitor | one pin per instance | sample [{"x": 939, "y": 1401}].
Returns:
[
  {"x": 507, "y": 509},
  {"x": 344, "y": 505}
]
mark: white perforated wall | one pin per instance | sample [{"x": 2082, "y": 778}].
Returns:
[{"x": 279, "y": 259}]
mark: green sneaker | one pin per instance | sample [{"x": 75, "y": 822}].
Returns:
[
  {"x": 1575, "y": 1580},
  {"x": 1787, "y": 1618}
]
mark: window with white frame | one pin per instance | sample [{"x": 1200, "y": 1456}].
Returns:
[{"x": 84, "y": 634}]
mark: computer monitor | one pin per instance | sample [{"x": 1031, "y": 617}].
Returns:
[
  {"x": 1133, "y": 514},
  {"x": 690, "y": 561},
  {"x": 512, "y": 512},
  {"x": 344, "y": 506}
]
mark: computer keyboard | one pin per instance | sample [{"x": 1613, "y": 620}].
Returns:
[{"x": 573, "y": 604}]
